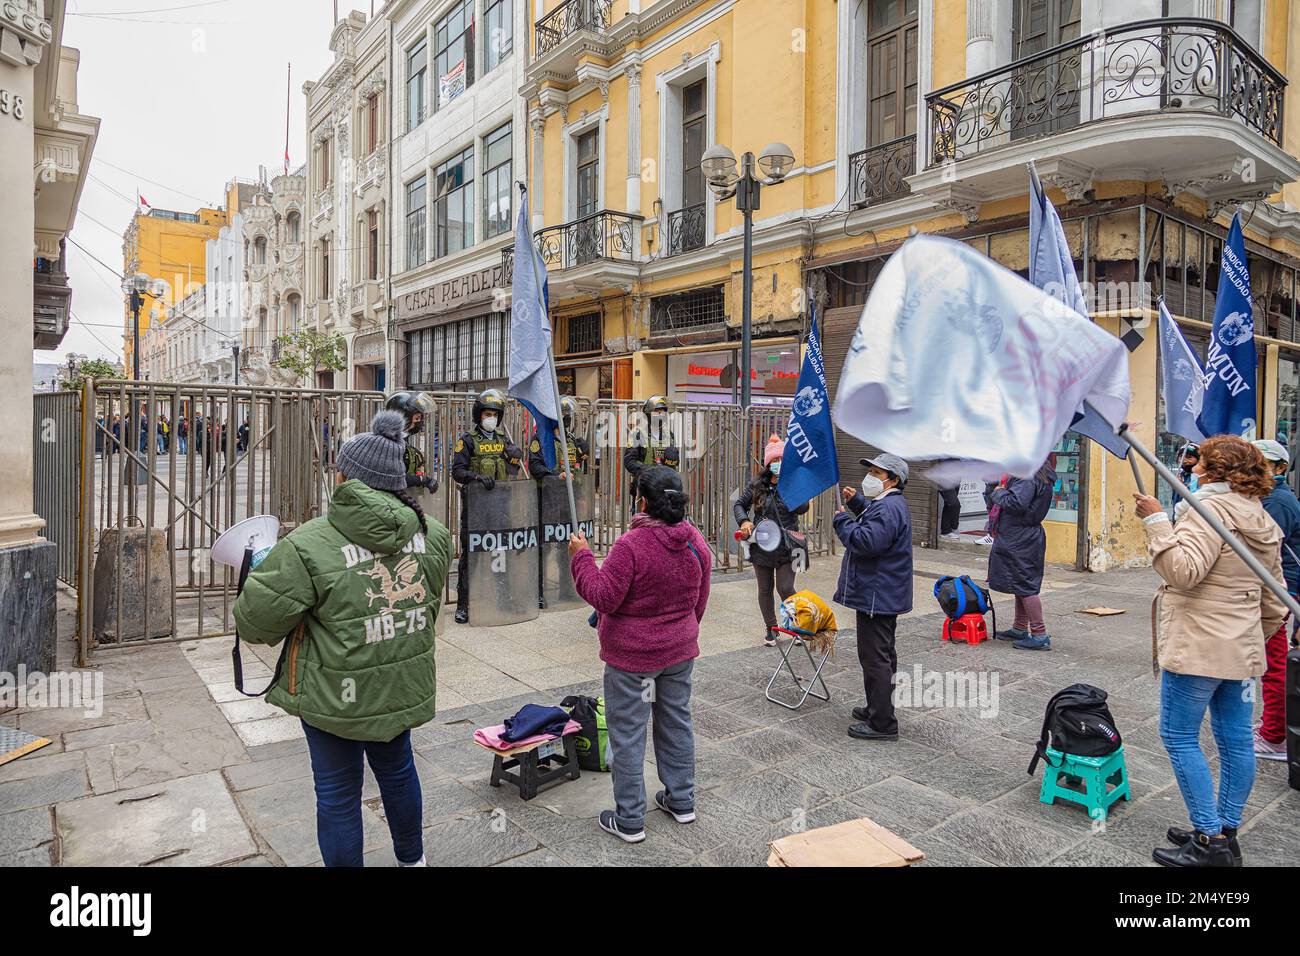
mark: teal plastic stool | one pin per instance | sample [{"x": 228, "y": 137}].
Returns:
[{"x": 1094, "y": 782}]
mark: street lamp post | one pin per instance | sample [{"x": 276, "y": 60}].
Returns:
[{"x": 719, "y": 166}]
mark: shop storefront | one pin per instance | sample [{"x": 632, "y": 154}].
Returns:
[
  {"x": 714, "y": 377},
  {"x": 453, "y": 337}
]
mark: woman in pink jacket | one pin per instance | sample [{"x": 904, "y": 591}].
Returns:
[{"x": 650, "y": 595}]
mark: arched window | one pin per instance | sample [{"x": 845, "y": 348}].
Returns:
[
  {"x": 293, "y": 224},
  {"x": 295, "y": 311},
  {"x": 259, "y": 251}
]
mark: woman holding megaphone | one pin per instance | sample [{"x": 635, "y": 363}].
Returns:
[{"x": 769, "y": 548}]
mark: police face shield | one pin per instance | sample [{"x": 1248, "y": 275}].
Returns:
[{"x": 421, "y": 412}]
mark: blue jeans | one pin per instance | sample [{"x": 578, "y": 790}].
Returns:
[
  {"x": 1183, "y": 702},
  {"x": 183, "y": 445},
  {"x": 630, "y": 699},
  {"x": 339, "y": 771}
]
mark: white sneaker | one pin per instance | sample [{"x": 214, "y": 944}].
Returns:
[
  {"x": 1269, "y": 751},
  {"x": 987, "y": 540},
  {"x": 950, "y": 536},
  {"x": 419, "y": 862}
]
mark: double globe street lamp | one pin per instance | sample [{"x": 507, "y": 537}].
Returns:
[{"x": 720, "y": 172}]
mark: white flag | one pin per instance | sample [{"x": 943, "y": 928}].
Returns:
[{"x": 956, "y": 357}]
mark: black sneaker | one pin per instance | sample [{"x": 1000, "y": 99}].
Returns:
[
  {"x": 1179, "y": 836},
  {"x": 861, "y": 714},
  {"x": 864, "y": 731},
  {"x": 610, "y": 825},
  {"x": 681, "y": 816},
  {"x": 462, "y": 615},
  {"x": 1200, "y": 851}
]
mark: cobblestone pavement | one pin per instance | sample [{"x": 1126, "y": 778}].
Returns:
[{"x": 178, "y": 769}]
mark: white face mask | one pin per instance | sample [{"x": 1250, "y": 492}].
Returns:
[
  {"x": 872, "y": 487},
  {"x": 489, "y": 423}
]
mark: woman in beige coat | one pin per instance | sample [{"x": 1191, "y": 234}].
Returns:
[{"x": 1211, "y": 617}]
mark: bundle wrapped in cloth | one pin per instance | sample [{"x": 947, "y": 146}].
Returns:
[{"x": 805, "y": 613}]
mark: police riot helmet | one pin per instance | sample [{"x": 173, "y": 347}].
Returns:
[
  {"x": 491, "y": 399},
  {"x": 408, "y": 405},
  {"x": 655, "y": 403},
  {"x": 569, "y": 411}
]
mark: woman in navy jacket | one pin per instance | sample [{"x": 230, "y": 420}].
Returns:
[
  {"x": 1019, "y": 553},
  {"x": 876, "y": 582}
]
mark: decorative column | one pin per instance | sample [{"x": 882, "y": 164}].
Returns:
[
  {"x": 536, "y": 196},
  {"x": 633, "y": 72},
  {"x": 27, "y": 561},
  {"x": 981, "y": 53}
]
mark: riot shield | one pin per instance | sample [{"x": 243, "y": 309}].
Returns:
[
  {"x": 502, "y": 548},
  {"x": 554, "y": 528}
]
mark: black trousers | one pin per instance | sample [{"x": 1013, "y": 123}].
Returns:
[
  {"x": 879, "y": 661},
  {"x": 950, "y": 518},
  {"x": 783, "y": 579},
  {"x": 462, "y": 563}
]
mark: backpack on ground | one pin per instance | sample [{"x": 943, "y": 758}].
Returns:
[
  {"x": 959, "y": 595},
  {"x": 1077, "y": 721},
  {"x": 592, "y": 741}
]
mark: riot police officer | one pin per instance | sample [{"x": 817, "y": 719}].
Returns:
[
  {"x": 486, "y": 455},
  {"x": 412, "y": 407},
  {"x": 574, "y": 457},
  {"x": 654, "y": 446}
]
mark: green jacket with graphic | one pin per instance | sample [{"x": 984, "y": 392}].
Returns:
[{"x": 367, "y": 586}]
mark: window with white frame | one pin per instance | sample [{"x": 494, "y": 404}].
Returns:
[
  {"x": 416, "y": 221},
  {"x": 417, "y": 69},
  {"x": 587, "y": 181},
  {"x": 498, "y": 18},
  {"x": 497, "y": 155},
  {"x": 453, "y": 59},
  {"x": 454, "y": 205}
]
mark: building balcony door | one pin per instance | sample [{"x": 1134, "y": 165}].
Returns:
[
  {"x": 1043, "y": 96},
  {"x": 892, "y": 32}
]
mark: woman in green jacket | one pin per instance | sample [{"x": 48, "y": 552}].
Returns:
[{"x": 357, "y": 595}]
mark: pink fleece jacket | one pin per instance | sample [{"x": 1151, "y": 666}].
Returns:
[{"x": 651, "y": 593}]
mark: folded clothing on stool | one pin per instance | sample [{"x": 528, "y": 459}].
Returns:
[
  {"x": 491, "y": 737},
  {"x": 534, "y": 719}
]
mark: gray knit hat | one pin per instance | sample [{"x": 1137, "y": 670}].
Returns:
[{"x": 376, "y": 457}]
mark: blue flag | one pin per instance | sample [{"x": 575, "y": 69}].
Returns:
[
  {"x": 809, "y": 465},
  {"x": 1229, "y": 407},
  {"x": 531, "y": 379},
  {"x": 1182, "y": 381},
  {"x": 1051, "y": 268}
]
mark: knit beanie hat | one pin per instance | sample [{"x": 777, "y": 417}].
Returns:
[
  {"x": 376, "y": 457},
  {"x": 775, "y": 449}
]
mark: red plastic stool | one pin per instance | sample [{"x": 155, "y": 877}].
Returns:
[{"x": 969, "y": 628}]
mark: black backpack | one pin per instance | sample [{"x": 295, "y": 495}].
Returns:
[
  {"x": 960, "y": 595},
  {"x": 1078, "y": 722}
]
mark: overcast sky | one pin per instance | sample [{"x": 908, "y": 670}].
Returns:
[{"x": 190, "y": 94}]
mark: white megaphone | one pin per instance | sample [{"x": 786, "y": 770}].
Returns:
[
  {"x": 259, "y": 533},
  {"x": 767, "y": 535}
]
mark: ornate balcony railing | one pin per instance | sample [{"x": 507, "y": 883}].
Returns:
[
  {"x": 686, "y": 230},
  {"x": 567, "y": 19},
  {"x": 879, "y": 173},
  {"x": 1173, "y": 63},
  {"x": 601, "y": 236}
]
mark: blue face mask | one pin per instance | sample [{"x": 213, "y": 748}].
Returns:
[
  {"x": 775, "y": 468},
  {"x": 1194, "y": 483}
]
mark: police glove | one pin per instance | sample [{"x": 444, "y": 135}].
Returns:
[{"x": 487, "y": 481}]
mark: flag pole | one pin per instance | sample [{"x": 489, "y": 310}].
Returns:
[{"x": 1201, "y": 509}]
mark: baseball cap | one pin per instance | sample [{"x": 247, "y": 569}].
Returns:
[
  {"x": 1272, "y": 450},
  {"x": 891, "y": 463}
]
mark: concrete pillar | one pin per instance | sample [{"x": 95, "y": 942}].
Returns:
[
  {"x": 981, "y": 54},
  {"x": 633, "y": 72},
  {"x": 537, "y": 194}
]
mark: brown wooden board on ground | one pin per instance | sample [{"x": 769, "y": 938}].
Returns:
[
  {"x": 861, "y": 842},
  {"x": 17, "y": 743},
  {"x": 1102, "y": 611}
]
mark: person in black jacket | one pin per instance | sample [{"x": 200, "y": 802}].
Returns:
[{"x": 771, "y": 568}]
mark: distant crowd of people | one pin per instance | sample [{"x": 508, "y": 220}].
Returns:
[{"x": 198, "y": 433}]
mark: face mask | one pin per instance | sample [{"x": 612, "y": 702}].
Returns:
[
  {"x": 1194, "y": 483},
  {"x": 872, "y": 487},
  {"x": 489, "y": 423},
  {"x": 775, "y": 468}
]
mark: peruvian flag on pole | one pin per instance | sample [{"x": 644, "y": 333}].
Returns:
[{"x": 141, "y": 201}]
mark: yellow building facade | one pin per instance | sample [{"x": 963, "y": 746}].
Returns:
[{"x": 1151, "y": 122}]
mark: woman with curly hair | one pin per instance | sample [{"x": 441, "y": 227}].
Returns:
[{"x": 1210, "y": 620}]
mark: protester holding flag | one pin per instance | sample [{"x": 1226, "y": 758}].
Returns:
[
  {"x": 1210, "y": 622},
  {"x": 762, "y": 500},
  {"x": 1020, "y": 553},
  {"x": 876, "y": 581},
  {"x": 1282, "y": 507}
]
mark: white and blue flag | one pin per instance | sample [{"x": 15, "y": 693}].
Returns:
[
  {"x": 1051, "y": 268},
  {"x": 1182, "y": 380},
  {"x": 530, "y": 337},
  {"x": 1229, "y": 407},
  {"x": 809, "y": 465}
]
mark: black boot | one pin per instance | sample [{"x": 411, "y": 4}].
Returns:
[
  {"x": 1181, "y": 837},
  {"x": 1199, "y": 851},
  {"x": 462, "y": 615}
]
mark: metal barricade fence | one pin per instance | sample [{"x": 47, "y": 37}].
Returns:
[{"x": 56, "y": 470}]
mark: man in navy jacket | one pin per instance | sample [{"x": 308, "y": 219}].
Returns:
[{"x": 876, "y": 582}]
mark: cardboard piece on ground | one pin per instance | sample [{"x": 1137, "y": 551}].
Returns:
[
  {"x": 1102, "y": 611},
  {"x": 861, "y": 842},
  {"x": 15, "y": 743}
]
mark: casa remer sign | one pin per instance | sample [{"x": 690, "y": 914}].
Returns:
[{"x": 452, "y": 294}]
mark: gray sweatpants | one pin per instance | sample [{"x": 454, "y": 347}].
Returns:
[{"x": 629, "y": 701}]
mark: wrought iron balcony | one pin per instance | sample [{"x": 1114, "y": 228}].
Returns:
[
  {"x": 601, "y": 236},
  {"x": 569, "y": 18},
  {"x": 686, "y": 230},
  {"x": 879, "y": 173},
  {"x": 1163, "y": 65}
]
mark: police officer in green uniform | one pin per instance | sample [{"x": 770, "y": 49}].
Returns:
[
  {"x": 486, "y": 455},
  {"x": 412, "y": 406},
  {"x": 575, "y": 455},
  {"x": 654, "y": 446}
]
